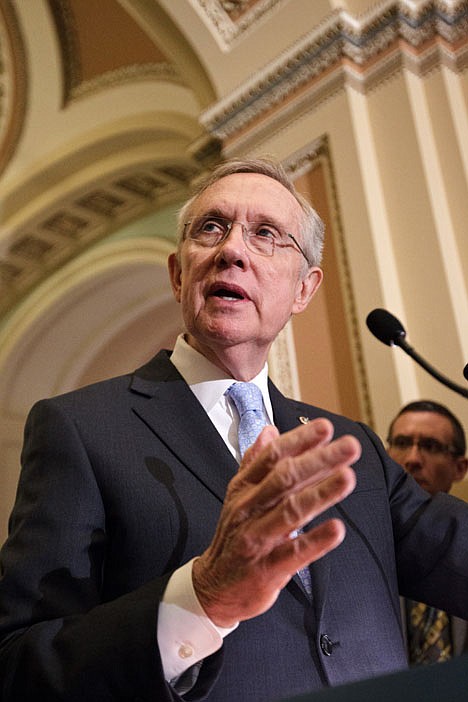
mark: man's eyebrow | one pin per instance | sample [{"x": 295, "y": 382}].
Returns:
[
  {"x": 418, "y": 436},
  {"x": 213, "y": 211},
  {"x": 217, "y": 211}
]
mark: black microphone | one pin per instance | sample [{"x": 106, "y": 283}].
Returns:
[{"x": 389, "y": 330}]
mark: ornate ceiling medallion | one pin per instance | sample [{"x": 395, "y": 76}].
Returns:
[{"x": 232, "y": 18}]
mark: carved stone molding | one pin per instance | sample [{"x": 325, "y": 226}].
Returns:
[
  {"x": 230, "y": 19},
  {"x": 360, "y": 52},
  {"x": 40, "y": 246},
  {"x": 126, "y": 74}
]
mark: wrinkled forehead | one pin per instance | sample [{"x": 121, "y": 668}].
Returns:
[{"x": 251, "y": 196}]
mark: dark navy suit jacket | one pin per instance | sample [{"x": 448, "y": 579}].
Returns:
[{"x": 123, "y": 481}]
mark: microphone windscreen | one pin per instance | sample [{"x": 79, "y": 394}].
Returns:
[{"x": 385, "y": 326}]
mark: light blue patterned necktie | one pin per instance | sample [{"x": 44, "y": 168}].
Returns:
[{"x": 248, "y": 400}]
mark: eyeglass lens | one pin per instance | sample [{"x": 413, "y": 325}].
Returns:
[
  {"x": 260, "y": 237},
  {"x": 426, "y": 444}
]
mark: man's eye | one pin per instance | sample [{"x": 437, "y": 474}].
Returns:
[
  {"x": 267, "y": 231},
  {"x": 402, "y": 442},
  {"x": 212, "y": 226},
  {"x": 431, "y": 445}
]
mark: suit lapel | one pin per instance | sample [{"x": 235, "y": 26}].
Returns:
[{"x": 163, "y": 400}]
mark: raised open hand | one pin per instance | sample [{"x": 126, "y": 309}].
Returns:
[{"x": 283, "y": 482}]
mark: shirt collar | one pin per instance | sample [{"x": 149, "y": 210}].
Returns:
[{"x": 207, "y": 381}]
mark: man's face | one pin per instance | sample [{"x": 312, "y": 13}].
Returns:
[
  {"x": 231, "y": 296},
  {"x": 435, "y": 472}
]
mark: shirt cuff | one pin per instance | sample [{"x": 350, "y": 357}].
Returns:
[{"x": 185, "y": 634}]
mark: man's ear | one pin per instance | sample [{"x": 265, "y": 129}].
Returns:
[
  {"x": 306, "y": 288},
  {"x": 175, "y": 274},
  {"x": 461, "y": 468}
]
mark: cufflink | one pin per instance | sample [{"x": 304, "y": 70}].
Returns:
[{"x": 185, "y": 650}]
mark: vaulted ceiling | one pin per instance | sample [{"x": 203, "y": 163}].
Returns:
[{"x": 109, "y": 109}]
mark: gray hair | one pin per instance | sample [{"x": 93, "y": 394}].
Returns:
[{"x": 312, "y": 227}]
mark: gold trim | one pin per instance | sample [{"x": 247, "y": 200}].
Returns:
[{"x": 126, "y": 74}]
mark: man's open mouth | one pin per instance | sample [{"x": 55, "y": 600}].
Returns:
[{"x": 227, "y": 293}]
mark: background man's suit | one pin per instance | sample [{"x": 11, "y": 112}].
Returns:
[
  {"x": 131, "y": 488},
  {"x": 459, "y": 629}
]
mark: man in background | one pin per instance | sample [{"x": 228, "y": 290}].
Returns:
[{"x": 429, "y": 442}]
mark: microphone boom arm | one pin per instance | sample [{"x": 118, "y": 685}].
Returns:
[{"x": 400, "y": 341}]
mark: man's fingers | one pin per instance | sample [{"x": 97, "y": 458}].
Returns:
[
  {"x": 307, "y": 547},
  {"x": 271, "y": 446},
  {"x": 263, "y": 532},
  {"x": 292, "y": 474}
]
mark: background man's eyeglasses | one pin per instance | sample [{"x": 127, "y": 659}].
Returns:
[
  {"x": 259, "y": 237},
  {"x": 425, "y": 444}
]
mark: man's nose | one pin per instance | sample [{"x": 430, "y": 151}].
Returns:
[
  {"x": 233, "y": 248},
  {"x": 413, "y": 456},
  {"x": 236, "y": 234}
]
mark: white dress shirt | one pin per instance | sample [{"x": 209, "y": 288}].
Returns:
[{"x": 185, "y": 634}]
